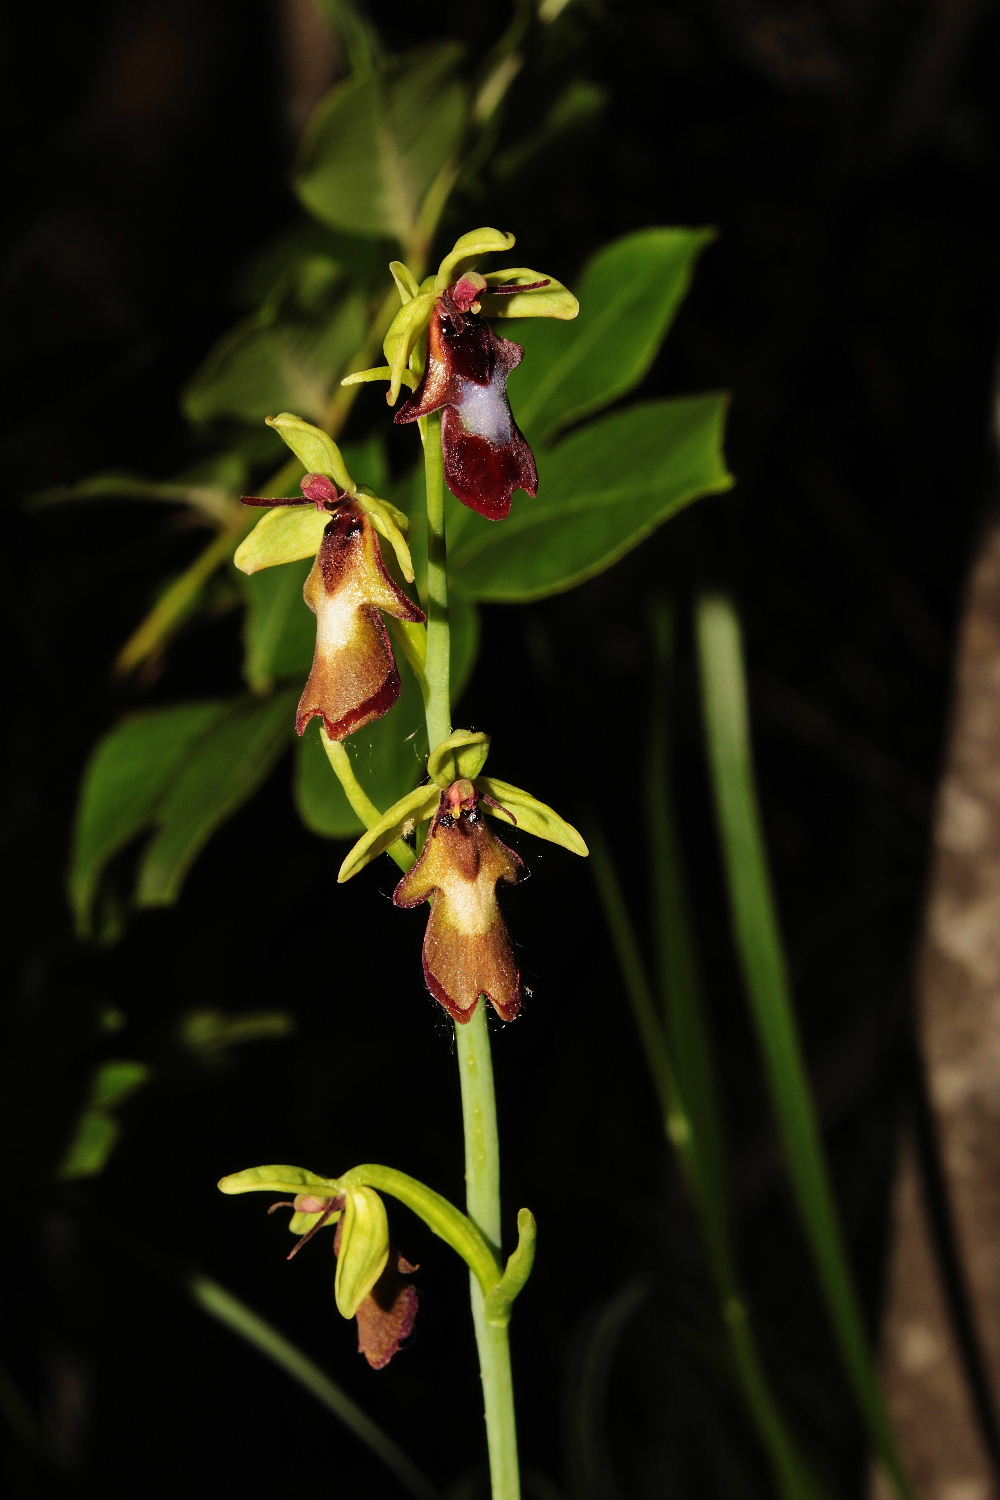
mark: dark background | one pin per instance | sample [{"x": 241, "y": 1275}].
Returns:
[{"x": 846, "y": 153}]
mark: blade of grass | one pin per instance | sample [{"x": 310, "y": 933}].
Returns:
[
  {"x": 792, "y": 1474},
  {"x": 678, "y": 977},
  {"x": 243, "y": 1321},
  {"x": 759, "y": 944}
]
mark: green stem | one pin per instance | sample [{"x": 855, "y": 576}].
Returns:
[
  {"x": 437, "y": 668},
  {"x": 479, "y": 1112},
  {"x": 361, "y": 804}
]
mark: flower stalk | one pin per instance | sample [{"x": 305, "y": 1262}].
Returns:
[{"x": 472, "y": 1042}]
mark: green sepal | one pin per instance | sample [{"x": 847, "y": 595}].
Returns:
[
  {"x": 283, "y": 535},
  {"x": 380, "y": 372},
  {"x": 531, "y": 815},
  {"x": 364, "y": 1249},
  {"x": 552, "y": 301},
  {"x": 415, "y": 807},
  {"x": 406, "y": 283},
  {"x": 314, "y": 448},
  {"x": 516, "y": 1272},
  {"x": 469, "y": 247},
  {"x": 389, "y": 522},
  {"x": 292, "y": 1180},
  {"x": 405, "y": 329},
  {"x": 460, "y": 757}
]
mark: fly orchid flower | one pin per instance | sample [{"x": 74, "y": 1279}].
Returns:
[
  {"x": 354, "y": 679},
  {"x": 370, "y": 1284},
  {"x": 486, "y": 457},
  {"x": 467, "y": 950}
]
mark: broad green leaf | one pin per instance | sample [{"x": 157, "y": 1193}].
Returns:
[
  {"x": 224, "y": 767},
  {"x": 628, "y": 293},
  {"x": 279, "y": 628},
  {"x": 364, "y": 1249},
  {"x": 531, "y": 815},
  {"x": 278, "y": 1180},
  {"x": 415, "y": 807},
  {"x": 124, "y": 780},
  {"x": 376, "y": 143},
  {"x": 285, "y": 358},
  {"x": 601, "y": 491},
  {"x": 387, "y": 759}
]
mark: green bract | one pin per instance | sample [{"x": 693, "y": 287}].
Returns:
[{"x": 363, "y": 1250}]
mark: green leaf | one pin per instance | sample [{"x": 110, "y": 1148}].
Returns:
[
  {"x": 278, "y": 1180},
  {"x": 279, "y": 629},
  {"x": 376, "y": 143},
  {"x": 283, "y": 357},
  {"x": 209, "y": 488},
  {"x": 460, "y": 757},
  {"x": 124, "y": 780},
  {"x": 415, "y": 807},
  {"x": 759, "y": 944},
  {"x": 387, "y": 759},
  {"x": 223, "y": 769},
  {"x": 601, "y": 491},
  {"x": 464, "y": 639},
  {"x": 364, "y": 1249},
  {"x": 97, "y": 1130},
  {"x": 628, "y": 293},
  {"x": 531, "y": 815}
]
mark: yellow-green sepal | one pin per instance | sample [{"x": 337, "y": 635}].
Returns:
[
  {"x": 292, "y": 1180},
  {"x": 390, "y": 522},
  {"x": 468, "y": 248},
  {"x": 416, "y": 807},
  {"x": 552, "y": 301},
  {"x": 406, "y": 283},
  {"x": 460, "y": 757},
  {"x": 405, "y": 329},
  {"x": 531, "y": 815},
  {"x": 363, "y": 1251},
  {"x": 285, "y": 534},
  {"x": 314, "y": 448}
]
